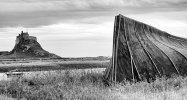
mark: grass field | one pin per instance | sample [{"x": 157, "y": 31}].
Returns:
[
  {"x": 88, "y": 85},
  {"x": 83, "y": 81}
]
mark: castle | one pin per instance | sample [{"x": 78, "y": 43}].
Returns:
[{"x": 25, "y": 35}]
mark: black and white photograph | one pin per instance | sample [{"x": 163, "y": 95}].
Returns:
[{"x": 93, "y": 50}]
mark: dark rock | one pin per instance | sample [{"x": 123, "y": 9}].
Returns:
[{"x": 4, "y": 52}]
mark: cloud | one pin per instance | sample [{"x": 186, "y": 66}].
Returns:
[
  {"x": 35, "y": 13},
  {"x": 84, "y": 25}
]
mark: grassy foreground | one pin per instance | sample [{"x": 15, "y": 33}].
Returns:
[{"x": 89, "y": 86}]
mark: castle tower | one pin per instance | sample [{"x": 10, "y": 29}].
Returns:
[{"x": 25, "y": 35}]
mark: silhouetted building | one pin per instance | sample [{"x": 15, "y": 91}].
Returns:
[{"x": 25, "y": 36}]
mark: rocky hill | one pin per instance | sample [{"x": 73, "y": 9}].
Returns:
[{"x": 27, "y": 47}]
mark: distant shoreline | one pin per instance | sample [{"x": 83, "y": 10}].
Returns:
[{"x": 45, "y": 65}]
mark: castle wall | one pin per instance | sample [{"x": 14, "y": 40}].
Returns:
[
  {"x": 17, "y": 39},
  {"x": 25, "y": 36},
  {"x": 32, "y": 38}
]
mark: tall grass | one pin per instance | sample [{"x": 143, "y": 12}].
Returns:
[{"x": 90, "y": 86}]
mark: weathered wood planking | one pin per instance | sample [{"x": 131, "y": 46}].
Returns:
[{"x": 143, "y": 52}]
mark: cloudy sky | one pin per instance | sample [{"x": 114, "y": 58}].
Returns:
[{"x": 79, "y": 28}]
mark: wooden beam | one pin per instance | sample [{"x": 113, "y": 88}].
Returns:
[
  {"x": 147, "y": 53},
  {"x": 166, "y": 55}
]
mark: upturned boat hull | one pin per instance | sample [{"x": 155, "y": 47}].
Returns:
[{"x": 143, "y": 52}]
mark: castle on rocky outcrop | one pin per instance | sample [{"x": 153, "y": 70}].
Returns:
[
  {"x": 27, "y": 47},
  {"x": 25, "y": 36}
]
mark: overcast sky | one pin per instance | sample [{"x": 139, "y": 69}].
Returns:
[{"x": 79, "y": 28}]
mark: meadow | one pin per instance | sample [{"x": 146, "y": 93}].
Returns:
[{"x": 87, "y": 84}]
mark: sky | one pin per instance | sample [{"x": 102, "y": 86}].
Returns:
[{"x": 84, "y": 28}]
